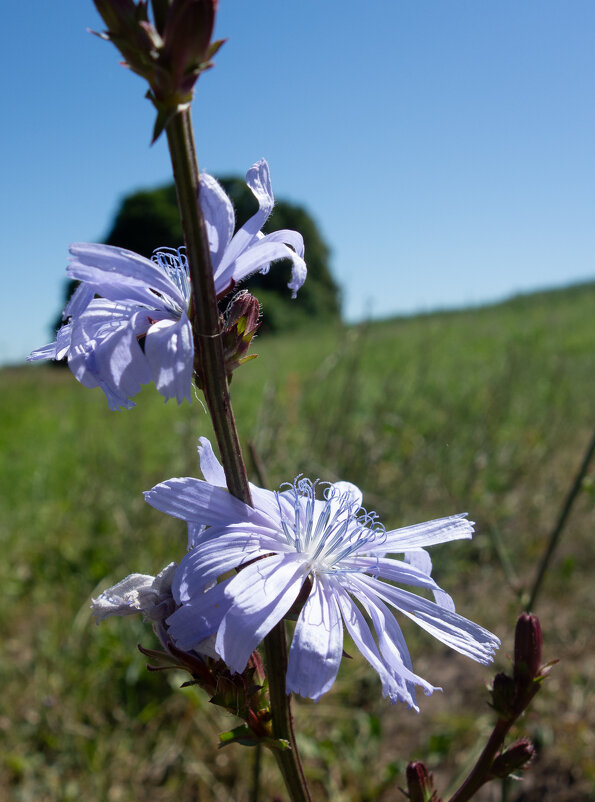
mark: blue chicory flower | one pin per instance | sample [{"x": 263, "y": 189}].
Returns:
[
  {"x": 124, "y": 299},
  {"x": 329, "y": 551}
]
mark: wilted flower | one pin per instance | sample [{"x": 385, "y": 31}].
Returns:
[
  {"x": 138, "y": 593},
  {"x": 329, "y": 551},
  {"x": 137, "y": 330}
]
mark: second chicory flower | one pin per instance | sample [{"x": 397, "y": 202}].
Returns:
[{"x": 127, "y": 323}]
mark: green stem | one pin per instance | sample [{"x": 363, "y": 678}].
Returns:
[
  {"x": 561, "y": 523},
  {"x": 211, "y": 367},
  {"x": 288, "y": 760},
  {"x": 257, "y": 758}
]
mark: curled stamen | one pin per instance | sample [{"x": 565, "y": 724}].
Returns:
[
  {"x": 330, "y": 529},
  {"x": 174, "y": 263}
]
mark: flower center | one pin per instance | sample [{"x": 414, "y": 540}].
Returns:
[
  {"x": 174, "y": 263},
  {"x": 329, "y": 530}
]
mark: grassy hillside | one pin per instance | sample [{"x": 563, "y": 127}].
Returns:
[{"x": 487, "y": 410}]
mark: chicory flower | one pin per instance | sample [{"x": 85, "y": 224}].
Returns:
[
  {"x": 127, "y": 324},
  {"x": 328, "y": 553}
]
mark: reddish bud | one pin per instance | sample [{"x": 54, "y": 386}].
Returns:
[
  {"x": 514, "y": 758},
  {"x": 240, "y": 325},
  {"x": 119, "y": 15},
  {"x": 504, "y": 695},
  {"x": 527, "y": 648},
  {"x": 420, "y": 784},
  {"x": 170, "y": 53},
  {"x": 187, "y": 39}
]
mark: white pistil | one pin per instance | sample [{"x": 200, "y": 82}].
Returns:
[
  {"x": 174, "y": 263},
  {"x": 328, "y": 531}
]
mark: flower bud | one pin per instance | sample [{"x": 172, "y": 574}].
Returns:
[
  {"x": 504, "y": 695},
  {"x": 420, "y": 784},
  {"x": 187, "y": 40},
  {"x": 169, "y": 53},
  {"x": 240, "y": 325},
  {"x": 128, "y": 27},
  {"x": 527, "y": 648},
  {"x": 514, "y": 758}
]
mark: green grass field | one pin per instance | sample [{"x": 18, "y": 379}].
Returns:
[{"x": 487, "y": 411}]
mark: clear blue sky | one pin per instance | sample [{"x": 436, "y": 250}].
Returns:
[{"x": 446, "y": 147}]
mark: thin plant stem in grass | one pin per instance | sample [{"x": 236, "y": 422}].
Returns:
[
  {"x": 558, "y": 529},
  {"x": 214, "y": 383},
  {"x": 256, "y": 773}
]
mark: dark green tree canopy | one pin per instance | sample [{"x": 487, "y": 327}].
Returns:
[{"x": 149, "y": 219}]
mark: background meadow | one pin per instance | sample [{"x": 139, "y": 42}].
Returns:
[{"x": 486, "y": 410}]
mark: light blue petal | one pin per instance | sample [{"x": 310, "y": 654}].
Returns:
[
  {"x": 225, "y": 549},
  {"x": 195, "y": 621},
  {"x": 459, "y": 633},
  {"x": 258, "y": 257},
  {"x": 213, "y": 472},
  {"x": 442, "y": 599},
  {"x": 342, "y": 488},
  {"x": 120, "y": 362},
  {"x": 63, "y": 340},
  {"x": 169, "y": 350},
  {"x": 289, "y": 237},
  {"x": 441, "y": 530},
  {"x": 362, "y": 637},
  {"x": 211, "y": 468},
  {"x": 266, "y": 501},
  {"x": 420, "y": 559},
  {"x": 112, "y": 271},
  {"x": 391, "y": 643},
  {"x": 317, "y": 645},
  {"x": 195, "y": 533},
  {"x": 262, "y": 593},
  {"x": 55, "y": 350},
  {"x": 116, "y": 288},
  {"x": 194, "y": 500},
  {"x": 83, "y": 354},
  {"x": 78, "y": 302},
  {"x": 104, "y": 346},
  {"x": 81, "y": 361},
  {"x": 218, "y": 215},
  {"x": 102, "y": 317},
  {"x": 389, "y": 568},
  {"x": 259, "y": 180},
  {"x": 45, "y": 352}
]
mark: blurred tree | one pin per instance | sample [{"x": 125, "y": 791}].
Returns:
[{"x": 149, "y": 219}]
